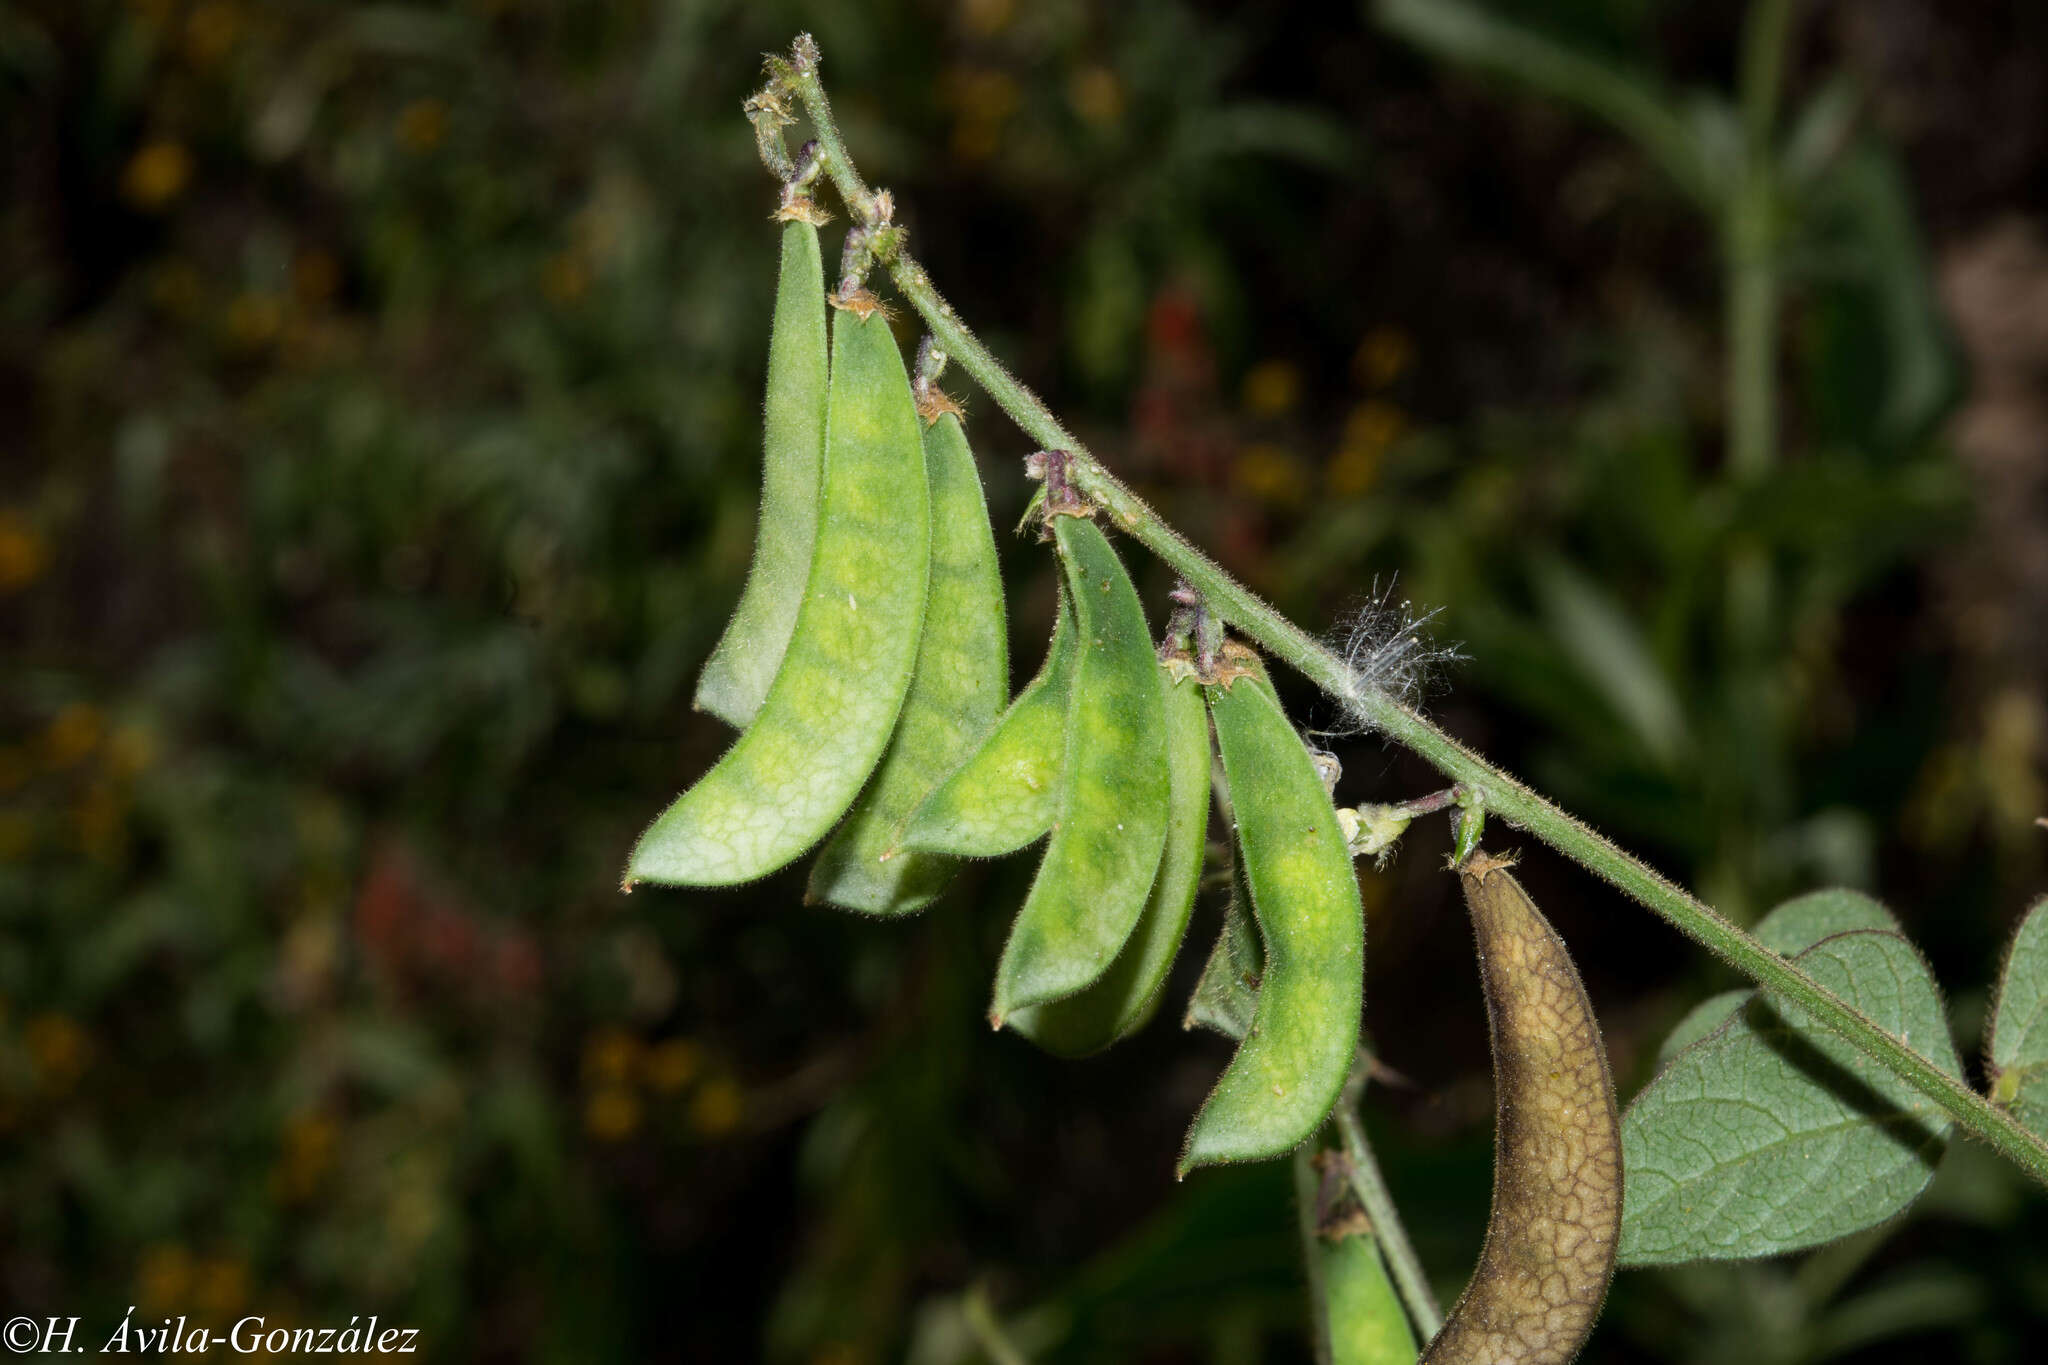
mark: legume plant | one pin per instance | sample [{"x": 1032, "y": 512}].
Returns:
[{"x": 866, "y": 668}]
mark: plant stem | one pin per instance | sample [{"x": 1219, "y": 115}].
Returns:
[
  {"x": 1373, "y": 1196},
  {"x": 1752, "y": 303},
  {"x": 1500, "y": 793},
  {"x": 1749, "y": 248}
]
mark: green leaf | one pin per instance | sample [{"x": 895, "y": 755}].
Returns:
[
  {"x": 1771, "y": 1133},
  {"x": 1887, "y": 366},
  {"x": 2018, "y": 1050},
  {"x": 1704, "y": 1018},
  {"x": 1616, "y": 660},
  {"x": 1789, "y": 930},
  {"x": 1803, "y": 921},
  {"x": 1632, "y": 101}
]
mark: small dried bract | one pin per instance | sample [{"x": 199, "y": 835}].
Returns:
[
  {"x": 801, "y": 209},
  {"x": 934, "y": 403},
  {"x": 861, "y": 303},
  {"x": 1235, "y": 660}
]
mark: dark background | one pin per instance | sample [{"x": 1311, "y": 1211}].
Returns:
[{"x": 379, "y": 389}]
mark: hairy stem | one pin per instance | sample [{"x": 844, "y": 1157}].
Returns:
[
  {"x": 1371, "y": 1188},
  {"x": 1501, "y": 794}
]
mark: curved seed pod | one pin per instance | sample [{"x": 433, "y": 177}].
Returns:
[
  {"x": 1121, "y": 1002},
  {"x": 1226, "y": 995},
  {"x": 1304, "y": 1033},
  {"x": 1359, "y": 1310},
  {"x": 1004, "y": 794},
  {"x": 741, "y": 668},
  {"x": 963, "y": 669},
  {"x": 828, "y": 717},
  {"x": 1099, "y": 864},
  {"x": 1556, "y": 1219}
]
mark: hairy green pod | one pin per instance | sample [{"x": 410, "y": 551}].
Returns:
[
  {"x": 742, "y": 667},
  {"x": 1288, "y": 1070},
  {"x": 1556, "y": 1219},
  {"x": 1005, "y": 793},
  {"x": 828, "y": 717},
  {"x": 963, "y": 670},
  {"x": 1359, "y": 1315},
  {"x": 1106, "y": 842},
  {"x": 1367, "y": 1323},
  {"x": 1120, "y": 1002},
  {"x": 1226, "y": 995}
]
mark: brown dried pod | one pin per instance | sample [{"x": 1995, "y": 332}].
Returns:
[{"x": 1556, "y": 1219}]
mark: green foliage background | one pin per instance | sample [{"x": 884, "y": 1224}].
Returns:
[{"x": 380, "y": 385}]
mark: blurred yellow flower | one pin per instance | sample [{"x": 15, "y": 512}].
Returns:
[
  {"x": 17, "y": 835},
  {"x": 422, "y": 125},
  {"x": 565, "y": 278},
  {"x": 310, "y": 1140},
  {"x": 163, "y": 1281},
  {"x": 718, "y": 1107},
  {"x": 130, "y": 749},
  {"x": 22, "y": 552},
  {"x": 221, "y": 1287},
  {"x": 156, "y": 174},
  {"x": 1270, "y": 473},
  {"x": 612, "y": 1112},
  {"x": 1353, "y": 470},
  {"x": 672, "y": 1065},
  {"x": 1374, "y": 424},
  {"x": 254, "y": 318},
  {"x": 59, "y": 1049},
  {"x": 73, "y": 733},
  {"x": 1384, "y": 356},
  {"x": 1271, "y": 388},
  {"x": 210, "y": 31},
  {"x": 100, "y": 818},
  {"x": 610, "y": 1056},
  {"x": 986, "y": 17},
  {"x": 1096, "y": 94}
]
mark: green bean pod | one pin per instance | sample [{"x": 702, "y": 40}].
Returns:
[
  {"x": 1099, "y": 865},
  {"x": 835, "y": 700},
  {"x": 1367, "y": 1323},
  {"x": 1556, "y": 1217},
  {"x": 742, "y": 667},
  {"x": 962, "y": 672},
  {"x": 1360, "y": 1318},
  {"x": 1120, "y": 1002},
  {"x": 1226, "y": 995},
  {"x": 1288, "y": 1070},
  {"x": 1005, "y": 793}
]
